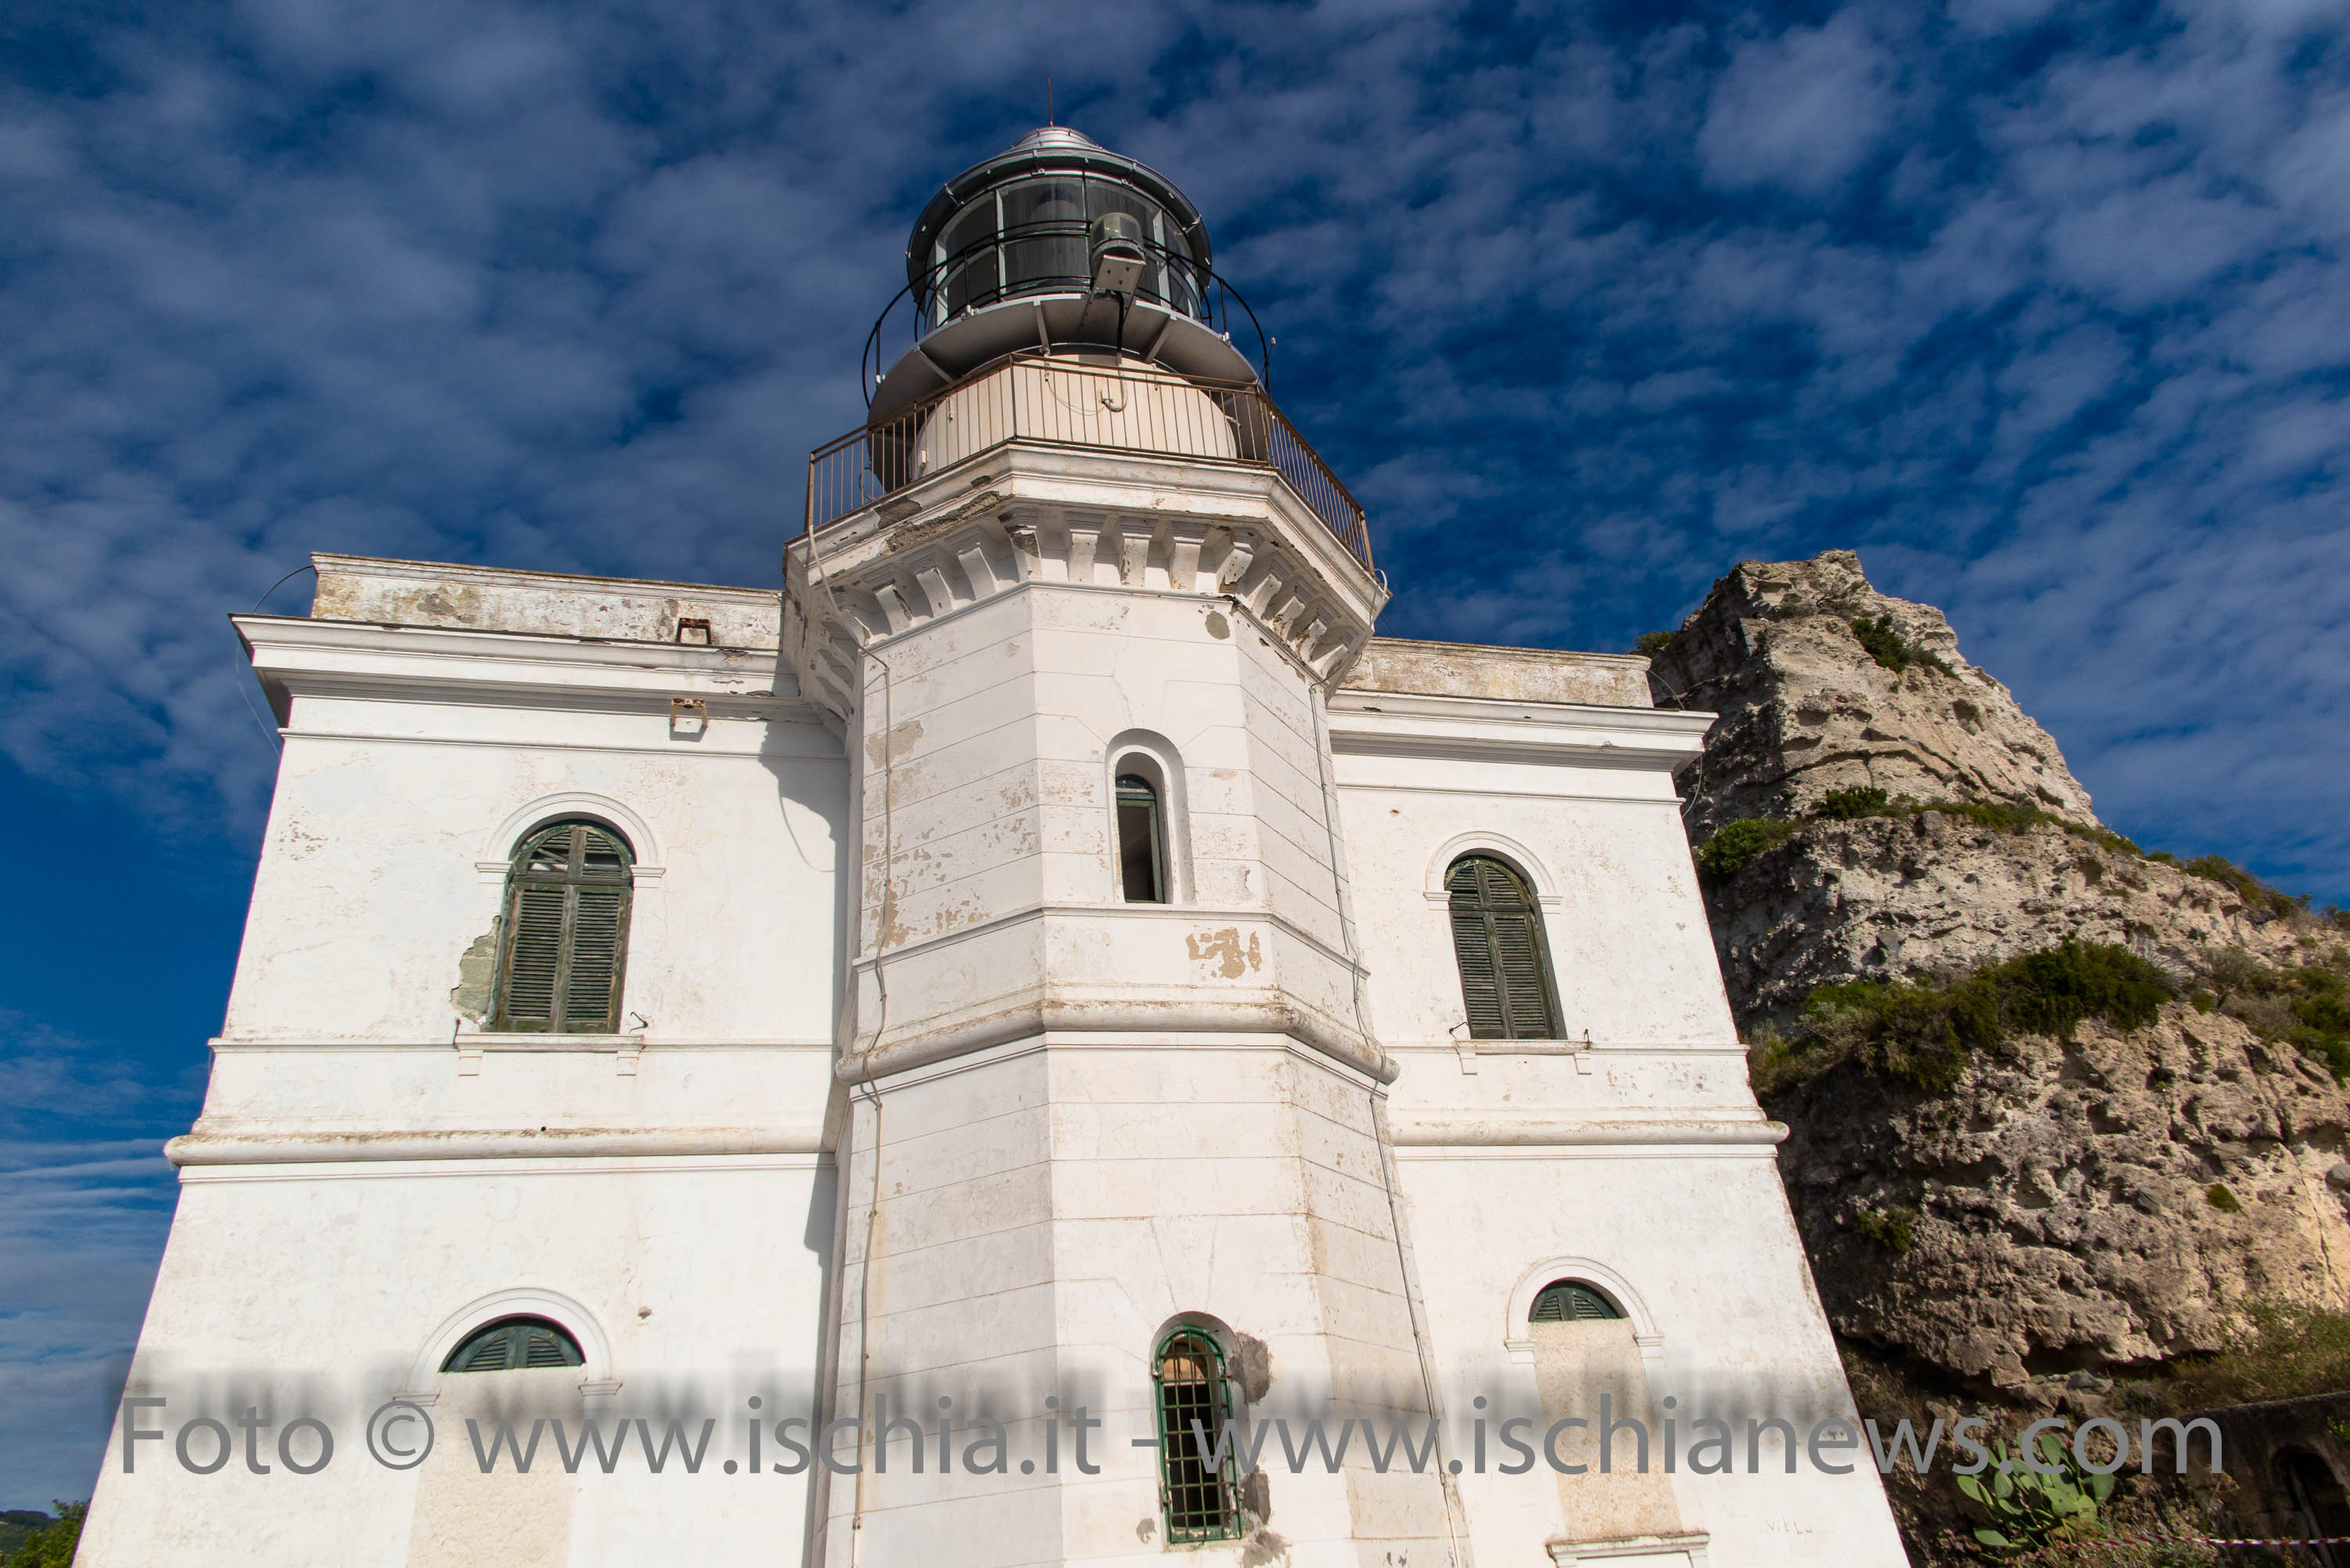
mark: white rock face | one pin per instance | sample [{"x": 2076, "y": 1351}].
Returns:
[
  {"x": 1806, "y": 710},
  {"x": 2103, "y": 1203},
  {"x": 969, "y": 1125}
]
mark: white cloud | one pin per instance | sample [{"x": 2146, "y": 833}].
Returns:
[{"x": 1802, "y": 110}]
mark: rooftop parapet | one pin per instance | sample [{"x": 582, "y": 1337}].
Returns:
[
  {"x": 1404, "y": 665},
  {"x": 1069, "y": 399},
  {"x": 382, "y": 592}
]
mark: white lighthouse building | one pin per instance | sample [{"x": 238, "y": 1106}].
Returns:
[{"x": 852, "y": 1074}]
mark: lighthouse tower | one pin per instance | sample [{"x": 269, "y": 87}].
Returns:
[
  {"x": 867, "y": 1075},
  {"x": 1113, "y": 1082}
]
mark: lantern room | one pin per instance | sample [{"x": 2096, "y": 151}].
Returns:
[{"x": 1060, "y": 244}]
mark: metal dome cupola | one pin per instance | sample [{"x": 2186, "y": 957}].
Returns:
[{"x": 1057, "y": 243}]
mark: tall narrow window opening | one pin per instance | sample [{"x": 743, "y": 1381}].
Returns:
[
  {"x": 567, "y": 933},
  {"x": 1141, "y": 841},
  {"x": 1201, "y": 1499},
  {"x": 1504, "y": 956}
]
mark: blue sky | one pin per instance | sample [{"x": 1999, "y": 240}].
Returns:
[{"x": 2039, "y": 308}]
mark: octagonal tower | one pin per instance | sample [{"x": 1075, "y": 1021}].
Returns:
[{"x": 1077, "y": 592}]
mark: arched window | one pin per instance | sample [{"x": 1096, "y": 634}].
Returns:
[
  {"x": 1201, "y": 1500},
  {"x": 1141, "y": 841},
  {"x": 514, "y": 1344},
  {"x": 567, "y": 933},
  {"x": 1571, "y": 1301},
  {"x": 1497, "y": 936}
]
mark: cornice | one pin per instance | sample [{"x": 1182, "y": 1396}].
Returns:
[
  {"x": 1029, "y": 514},
  {"x": 295, "y": 656}
]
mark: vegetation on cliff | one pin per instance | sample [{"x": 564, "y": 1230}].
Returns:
[
  {"x": 1735, "y": 843},
  {"x": 1923, "y": 1032},
  {"x": 1883, "y": 642},
  {"x": 2062, "y": 1110}
]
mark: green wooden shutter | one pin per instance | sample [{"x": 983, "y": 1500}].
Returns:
[
  {"x": 592, "y": 971},
  {"x": 1567, "y": 1301},
  {"x": 567, "y": 933},
  {"x": 1499, "y": 942},
  {"x": 489, "y": 1355},
  {"x": 1472, "y": 948},
  {"x": 536, "y": 957},
  {"x": 544, "y": 1347},
  {"x": 514, "y": 1344},
  {"x": 1516, "y": 953}
]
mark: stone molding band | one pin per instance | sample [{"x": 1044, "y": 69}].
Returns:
[
  {"x": 487, "y": 1142},
  {"x": 1033, "y": 1018}
]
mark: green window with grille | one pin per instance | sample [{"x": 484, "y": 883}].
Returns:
[
  {"x": 514, "y": 1344},
  {"x": 1201, "y": 1500},
  {"x": 1504, "y": 957},
  {"x": 567, "y": 933},
  {"x": 1571, "y": 1301}
]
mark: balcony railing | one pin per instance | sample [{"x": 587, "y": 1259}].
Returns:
[{"x": 1054, "y": 400}]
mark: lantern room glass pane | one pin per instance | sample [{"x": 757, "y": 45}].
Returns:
[{"x": 1034, "y": 236}]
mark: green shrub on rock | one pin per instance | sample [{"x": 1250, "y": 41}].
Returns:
[
  {"x": 1884, "y": 643},
  {"x": 1924, "y": 1033},
  {"x": 2307, "y": 1007},
  {"x": 1738, "y": 842},
  {"x": 1893, "y": 1228},
  {"x": 1850, "y": 804},
  {"x": 2255, "y": 893}
]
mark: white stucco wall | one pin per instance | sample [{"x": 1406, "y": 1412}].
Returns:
[
  {"x": 1092, "y": 1117},
  {"x": 373, "y": 1176},
  {"x": 1629, "y": 1153},
  {"x": 326, "y": 1290}
]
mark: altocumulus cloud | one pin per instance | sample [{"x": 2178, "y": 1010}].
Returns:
[{"x": 2038, "y": 307}]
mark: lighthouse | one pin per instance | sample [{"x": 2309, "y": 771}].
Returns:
[{"x": 1043, "y": 1040}]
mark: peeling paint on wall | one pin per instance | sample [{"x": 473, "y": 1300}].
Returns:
[
  {"x": 477, "y": 967},
  {"x": 1224, "y": 949},
  {"x": 1252, "y": 1359},
  {"x": 902, "y": 741},
  {"x": 1262, "y": 1547}
]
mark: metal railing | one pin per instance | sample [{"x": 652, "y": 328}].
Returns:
[{"x": 1055, "y": 401}]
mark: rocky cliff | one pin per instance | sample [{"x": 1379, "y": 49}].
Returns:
[
  {"x": 2059, "y": 1110},
  {"x": 1822, "y": 683}
]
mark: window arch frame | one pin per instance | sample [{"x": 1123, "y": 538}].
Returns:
[
  {"x": 1178, "y": 1447},
  {"x": 596, "y": 1372},
  {"x": 519, "y": 877},
  {"x": 497, "y": 847},
  {"x": 1545, "y": 980},
  {"x": 509, "y": 1326},
  {"x": 1517, "y": 1323},
  {"x": 1155, "y": 759}
]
